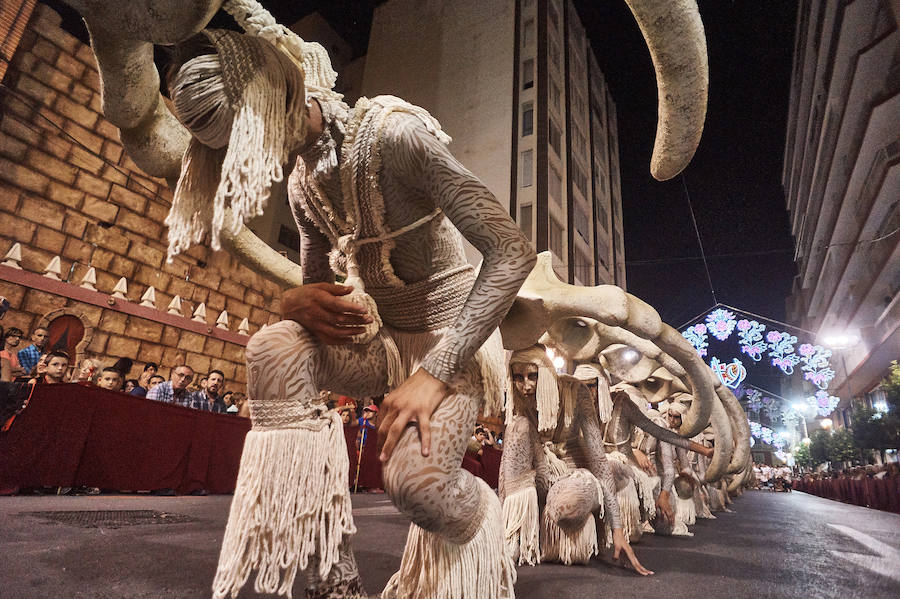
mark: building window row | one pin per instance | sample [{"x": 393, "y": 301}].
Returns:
[
  {"x": 528, "y": 73},
  {"x": 557, "y": 245},
  {"x": 526, "y": 220},
  {"x": 527, "y": 119},
  {"x": 527, "y": 168},
  {"x": 555, "y": 138},
  {"x": 554, "y": 185}
]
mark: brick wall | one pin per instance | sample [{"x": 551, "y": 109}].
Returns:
[{"x": 67, "y": 188}]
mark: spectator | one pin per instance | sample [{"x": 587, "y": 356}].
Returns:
[
  {"x": 11, "y": 339},
  {"x": 57, "y": 363},
  {"x": 226, "y": 398},
  {"x": 175, "y": 390},
  {"x": 142, "y": 386},
  {"x": 29, "y": 356},
  {"x": 130, "y": 386},
  {"x": 110, "y": 379},
  {"x": 347, "y": 413},
  {"x": 86, "y": 372},
  {"x": 370, "y": 415},
  {"x": 207, "y": 398},
  {"x": 154, "y": 380}
]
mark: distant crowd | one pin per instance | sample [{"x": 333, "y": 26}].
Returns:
[{"x": 37, "y": 364}]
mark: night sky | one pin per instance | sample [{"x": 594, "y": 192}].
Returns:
[{"x": 734, "y": 181}]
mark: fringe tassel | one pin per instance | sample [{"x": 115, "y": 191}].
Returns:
[
  {"x": 685, "y": 511},
  {"x": 646, "y": 486},
  {"x": 520, "y": 517},
  {"x": 491, "y": 359},
  {"x": 291, "y": 501},
  {"x": 701, "y": 503},
  {"x": 557, "y": 467},
  {"x": 568, "y": 548},
  {"x": 604, "y": 399},
  {"x": 433, "y": 568},
  {"x": 547, "y": 399}
]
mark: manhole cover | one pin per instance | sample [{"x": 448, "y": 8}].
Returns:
[{"x": 112, "y": 518}]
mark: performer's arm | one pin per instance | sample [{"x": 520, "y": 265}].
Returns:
[
  {"x": 586, "y": 416},
  {"x": 314, "y": 248},
  {"x": 638, "y": 419},
  {"x": 476, "y": 213}
]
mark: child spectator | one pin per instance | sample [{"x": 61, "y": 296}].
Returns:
[
  {"x": 57, "y": 363},
  {"x": 154, "y": 380},
  {"x": 110, "y": 379},
  {"x": 143, "y": 383},
  {"x": 131, "y": 385}
]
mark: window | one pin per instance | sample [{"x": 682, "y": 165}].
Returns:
[
  {"x": 584, "y": 269},
  {"x": 553, "y": 16},
  {"x": 528, "y": 33},
  {"x": 579, "y": 179},
  {"x": 554, "y": 137},
  {"x": 554, "y": 185},
  {"x": 526, "y": 220},
  {"x": 602, "y": 217},
  {"x": 556, "y": 239},
  {"x": 527, "y": 168},
  {"x": 528, "y": 74},
  {"x": 527, "y": 119},
  {"x": 553, "y": 49},
  {"x": 554, "y": 94},
  {"x": 582, "y": 226}
]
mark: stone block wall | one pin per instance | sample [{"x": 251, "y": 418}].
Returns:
[{"x": 68, "y": 189}]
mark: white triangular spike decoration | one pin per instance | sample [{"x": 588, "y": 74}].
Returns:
[
  {"x": 149, "y": 298},
  {"x": 120, "y": 289},
  {"x": 200, "y": 313},
  {"x": 89, "y": 280},
  {"x": 53, "y": 270},
  {"x": 244, "y": 327},
  {"x": 175, "y": 306},
  {"x": 13, "y": 256},
  {"x": 222, "y": 320}
]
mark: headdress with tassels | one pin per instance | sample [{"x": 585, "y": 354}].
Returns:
[
  {"x": 245, "y": 108},
  {"x": 594, "y": 372},
  {"x": 547, "y": 392}
]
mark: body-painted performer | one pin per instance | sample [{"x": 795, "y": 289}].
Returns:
[
  {"x": 378, "y": 197},
  {"x": 549, "y": 506}
]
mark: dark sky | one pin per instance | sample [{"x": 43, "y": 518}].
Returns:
[{"x": 734, "y": 181}]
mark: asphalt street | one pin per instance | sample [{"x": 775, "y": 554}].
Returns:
[{"x": 773, "y": 545}]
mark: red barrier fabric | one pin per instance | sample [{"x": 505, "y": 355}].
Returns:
[
  {"x": 876, "y": 493},
  {"x": 71, "y": 436}
]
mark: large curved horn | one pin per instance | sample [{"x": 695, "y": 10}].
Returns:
[
  {"x": 724, "y": 449},
  {"x": 674, "y": 34},
  {"x": 546, "y": 299},
  {"x": 740, "y": 428}
]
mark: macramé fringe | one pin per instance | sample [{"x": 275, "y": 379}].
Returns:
[
  {"x": 521, "y": 520},
  {"x": 685, "y": 511},
  {"x": 433, "y": 568},
  {"x": 577, "y": 547},
  {"x": 292, "y": 501},
  {"x": 629, "y": 513}
]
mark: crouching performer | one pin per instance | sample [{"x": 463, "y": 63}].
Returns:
[
  {"x": 377, "y": 198},
  {"x": 550, "y": 504}
]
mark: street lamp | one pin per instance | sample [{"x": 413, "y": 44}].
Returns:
[
  {"x": 800, "y": 408},
  {"x": 842, "y": 342},
  {"x": 826, "y": 423}
]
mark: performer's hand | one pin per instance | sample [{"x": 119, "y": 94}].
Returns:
[
  {"x": 664, "y": 507},
  {"x": 644, "y": 462},
  {"x": 621, "y": 544},
  {"x": 318, "y": 307},
  {"x": 702, "y": 449},
  {"x": 413, "y": 401}
]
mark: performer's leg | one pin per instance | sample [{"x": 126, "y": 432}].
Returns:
[
  {"x": 455, "y": 547},
  {"x": 291, "y": 506}
]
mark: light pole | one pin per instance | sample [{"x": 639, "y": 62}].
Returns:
[{"x": 800, "y": 407}]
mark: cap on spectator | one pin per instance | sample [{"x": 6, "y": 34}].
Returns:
[
  {"x": 346, "y": 408},
  {"x": 371, "y": 408}
]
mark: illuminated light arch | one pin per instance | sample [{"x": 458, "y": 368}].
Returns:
[{"x": 777, "y": 347}]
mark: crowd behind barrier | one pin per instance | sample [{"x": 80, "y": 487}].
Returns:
[
  {"x": 876, "y": 493},
  {"x": 72, "y": 435}
]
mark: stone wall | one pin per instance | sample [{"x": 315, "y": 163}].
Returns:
[{"x": 67, "y": 189}]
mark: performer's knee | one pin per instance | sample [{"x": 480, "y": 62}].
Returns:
[
  {"x": 571, "y": 501},
  {"x": 272, "y": 341}
]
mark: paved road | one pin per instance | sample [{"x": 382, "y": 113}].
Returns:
[{"x": 774, "y": 545}]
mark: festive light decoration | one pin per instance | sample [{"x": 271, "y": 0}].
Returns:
[
  {"x": 696, "y": 336},
  {"x": 767, "y": 435},
  {"x": 823, "y": 403},
  {"x": 751, "y": 336},
  {"x": 732, "y": 374},
  {"x": 721, "y": 323},
  {"x": 781, "y": 349},
  {"x": 754, "y": 400},
  {"x": 815, "y": 365}
]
